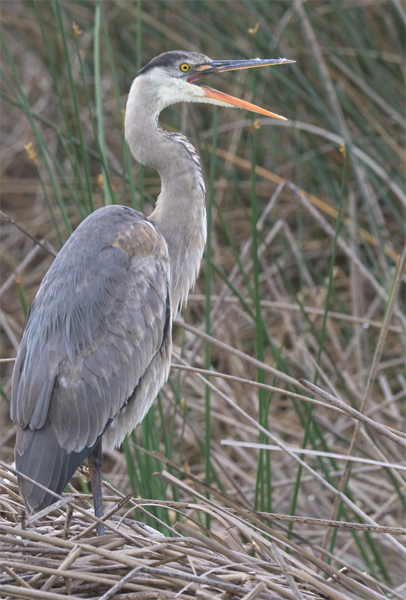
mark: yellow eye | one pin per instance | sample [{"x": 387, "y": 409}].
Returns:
[{"x": 185, "y": 67}]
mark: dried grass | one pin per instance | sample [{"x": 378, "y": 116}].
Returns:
[{"x": 55, "y": 553}]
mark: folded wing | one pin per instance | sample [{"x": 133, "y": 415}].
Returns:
[{"x": 101, "y": 316}]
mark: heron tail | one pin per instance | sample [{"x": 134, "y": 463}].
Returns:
[{"x": 39, "y": 456}]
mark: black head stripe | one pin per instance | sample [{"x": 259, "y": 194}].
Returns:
[{"x": 172, "y": 58}]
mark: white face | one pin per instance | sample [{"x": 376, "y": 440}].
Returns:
[{"x": 169, "y": 85}]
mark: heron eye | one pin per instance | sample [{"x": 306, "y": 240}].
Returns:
[{"x": 185, "y": 67}]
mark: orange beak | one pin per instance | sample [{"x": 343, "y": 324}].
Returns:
[{"x": 231, "y": 65}]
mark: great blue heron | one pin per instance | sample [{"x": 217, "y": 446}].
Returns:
[{"x": 96, "y": 345}]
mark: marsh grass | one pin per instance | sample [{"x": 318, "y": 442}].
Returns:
[{"x": 307, "y": 228}]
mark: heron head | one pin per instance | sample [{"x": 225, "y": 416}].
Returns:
[{"x": 175, "y": 77}]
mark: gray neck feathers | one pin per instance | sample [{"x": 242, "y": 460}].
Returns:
[{"x": 180, "y": 213}]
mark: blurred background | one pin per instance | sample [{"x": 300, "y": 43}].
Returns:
[{"x": 307, "y": 217}]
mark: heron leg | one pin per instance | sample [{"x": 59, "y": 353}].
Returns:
[{"x": 95, "y": 461}]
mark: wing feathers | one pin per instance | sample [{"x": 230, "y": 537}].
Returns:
[
  {"x": 40, "y": 412},
  {"x": 94, "y": 420},
  {"x": 99, "y": 318}
]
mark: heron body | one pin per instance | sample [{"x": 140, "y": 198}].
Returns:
[
  {"x": 95, "y": 350},
  {"x": 96, "y": 345}
]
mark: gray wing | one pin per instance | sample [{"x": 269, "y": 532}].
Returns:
[{"x": 100, "y": 317}]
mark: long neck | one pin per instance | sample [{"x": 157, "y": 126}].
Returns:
[{"x": 180, "y": 213}]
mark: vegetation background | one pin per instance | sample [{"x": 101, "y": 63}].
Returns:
[{"x": 307, "y": 231}]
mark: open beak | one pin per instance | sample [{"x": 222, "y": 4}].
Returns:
[{"x": 219, "y": 66}]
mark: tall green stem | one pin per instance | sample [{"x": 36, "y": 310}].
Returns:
[
  {"x": 139, "y": 64},
  {"x": 108, "y": 198}
]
